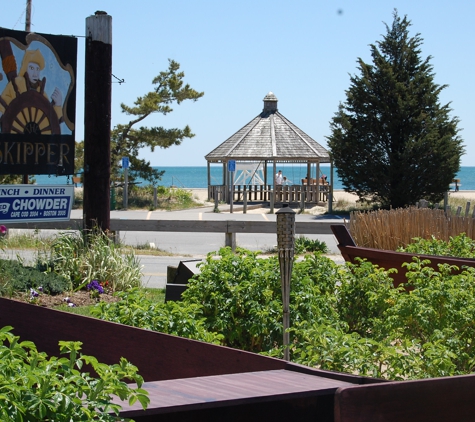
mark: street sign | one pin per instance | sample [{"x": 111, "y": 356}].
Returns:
[
  {"x": 125, "y": 162},
  {"x": 35, "y": 203},
  {"x": 232, "y": 165}
]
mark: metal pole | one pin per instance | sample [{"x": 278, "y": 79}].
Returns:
[
  {"x": 330, "y": 190},
  {"x": 285, "y": 244},
  {"x": 231, "y": 192},
  {"x": 126, "y": 189}
]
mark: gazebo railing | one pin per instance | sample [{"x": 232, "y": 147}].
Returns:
[{"x": 262, "y": 193}]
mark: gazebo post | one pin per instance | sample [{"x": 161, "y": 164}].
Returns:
[
  {"x": 274, "y": 172},
  {"x": 225, "y": 183},
  {"x": 265, "y": 180},
  {"x": 317, "y": 178},
  {"x": 330, "y": 200},
  {"x": 209, "y": 180}
]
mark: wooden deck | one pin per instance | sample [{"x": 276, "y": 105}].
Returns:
[{"x": 234, "y": 390}]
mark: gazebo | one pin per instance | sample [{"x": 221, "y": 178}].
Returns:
[{"x": 270, "y": 138}]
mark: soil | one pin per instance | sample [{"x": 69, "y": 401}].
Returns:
[{"x": 81, "y": 298}]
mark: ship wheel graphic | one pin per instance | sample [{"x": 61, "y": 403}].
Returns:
[{"x": 30, "y": 113}]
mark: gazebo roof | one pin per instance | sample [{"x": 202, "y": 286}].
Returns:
[{"x": 272, "y": 137}]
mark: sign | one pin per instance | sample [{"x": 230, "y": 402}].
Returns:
[
  {"x": 37, "y": 103},
  {"x": 125, "y": 162},
  {"x": 231, "y": 165},
  {"x": 35, "y": 203}
]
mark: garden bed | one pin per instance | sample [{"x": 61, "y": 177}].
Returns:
[{"x": 72, "y": 299}]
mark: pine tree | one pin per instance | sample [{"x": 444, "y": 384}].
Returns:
[
  {"x": 392, "y": 141},
  {"x": 127, "y": 140}
]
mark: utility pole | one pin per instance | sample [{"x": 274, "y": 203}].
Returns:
[
  {"x": 28, "y": 16},
  {"x": 97, "y": 121},
  {"x": 27, "y": 29}
]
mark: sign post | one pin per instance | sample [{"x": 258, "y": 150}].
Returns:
[
  {"x": 125, "y": 166},
  {"x": 231, "y": 169}
]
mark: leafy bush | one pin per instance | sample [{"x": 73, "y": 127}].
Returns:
[
  {"x": 16, "y": 277},
  {"x": 175, "y": 318},
  {"x": 167, "y": 197},
  {"x": 460, "y": 246},
  {"x": 92, "y": 256},
  {"x": 304, "y": 244},
  {"x": 37, "y": 388},
  {"x": 343, "y": 318}
]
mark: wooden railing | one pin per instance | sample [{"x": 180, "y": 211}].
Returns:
[
  {"x": 228, "y": 227},
  {"x": 260, "y": 193}
]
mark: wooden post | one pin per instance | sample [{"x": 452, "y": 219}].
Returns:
[
  {"x": 216, "y": 199},
  {"x": 27, "y": 29},
  {"x": 244, "y": 200},
  {"x": 97, "y": 121},
  {"x": 230, "y": 238}
]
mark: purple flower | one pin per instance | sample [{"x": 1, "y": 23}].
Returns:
[
  {"x": 33, "y": 293},
  {"x": 3, "y": 230},
  {"x": 40, "y": 289},
  {"x": 71, "y": 304},
  {"x": 94, "y": 285}
]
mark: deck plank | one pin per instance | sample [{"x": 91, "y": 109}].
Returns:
[{"x": 222, "y": 390}]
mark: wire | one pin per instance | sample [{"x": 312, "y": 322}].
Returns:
[
  {"x": 18, "y": 20},
  {"x": 121, "y": 81}
]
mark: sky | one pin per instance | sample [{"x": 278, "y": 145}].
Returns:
[{"x": 304, "y": 51}]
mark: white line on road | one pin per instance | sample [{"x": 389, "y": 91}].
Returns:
[{"x": 149, "y": 214}]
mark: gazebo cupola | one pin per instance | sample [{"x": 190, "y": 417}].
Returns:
[{"x": 270, "y": 103}]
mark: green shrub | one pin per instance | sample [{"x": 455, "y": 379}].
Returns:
[
  {"x": 37, "y": 388},
  {"x": 304, "y": 244},
  {"x": 343, "y": 318},
  {"x": 17, "y": 277},
  {"x": 460, "y": 246},
  {"x": 176, "y": 318}
]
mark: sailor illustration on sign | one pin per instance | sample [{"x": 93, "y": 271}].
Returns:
[{"x": 25, "y": 107}]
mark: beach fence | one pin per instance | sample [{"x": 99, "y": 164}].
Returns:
[{"x": 391, "y": 229}]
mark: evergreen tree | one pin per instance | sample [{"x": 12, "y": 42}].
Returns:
[
  {"x": 127, "y": 141},
  {"x": 392, "y": 141}
]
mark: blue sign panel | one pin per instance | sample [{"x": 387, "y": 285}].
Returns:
[
  {"x": 231, "y": 165},
  {"x": 34, "y": 203},
  {"x": 125, "y": 162}
]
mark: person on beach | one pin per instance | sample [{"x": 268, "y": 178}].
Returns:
[{"x": 279, "y": 178}]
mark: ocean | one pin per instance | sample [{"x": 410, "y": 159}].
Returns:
[{"x": 196, "y": 177}]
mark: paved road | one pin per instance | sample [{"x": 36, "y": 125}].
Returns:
[{"x": 185, "y": 246}]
